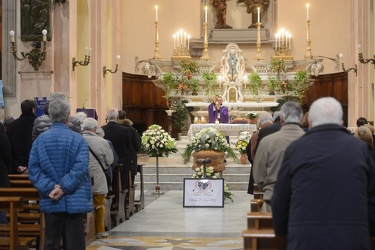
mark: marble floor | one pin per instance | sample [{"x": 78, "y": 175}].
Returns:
[{"x": 166, "y": 225}]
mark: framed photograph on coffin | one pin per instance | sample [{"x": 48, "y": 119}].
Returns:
[{"x": 203, "y": 192}]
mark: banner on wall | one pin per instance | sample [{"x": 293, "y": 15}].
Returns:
[{"x": 39, "y": 105}]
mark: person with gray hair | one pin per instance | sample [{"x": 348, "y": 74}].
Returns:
[
  {"x": 99, "y": 151},
  {"x": 58, "y": 169},
  {"x": 271, "y": 150},
  {"x": 324, "y": 197},
  {"x": 265, "y": 120}
]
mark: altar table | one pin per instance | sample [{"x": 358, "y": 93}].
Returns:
[{"x": 227, "y": 129}]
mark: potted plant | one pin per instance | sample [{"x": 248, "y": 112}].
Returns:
[
  {"x": 252, "y": 116},
  {"x": 209, "y": 143},
  {"x": 169, "y": 80},
  {"x": 272, "y": 86},
  {"x": 277, "y": 66},
  {"x": 182, "y": 84},
  {"x": 241, "y": 144},
  {"x": 209, "y": 78},
  {"x": 179, "y": 116},
  {"x": 194, "y": 86},
  {"x": 300, "y": 83},
  {"x": 189, "y": 67},
  {"x": 255, "y": 83}
]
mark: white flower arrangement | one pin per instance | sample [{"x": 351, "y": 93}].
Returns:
[
  {"x": 242, "y": 142},
  {"x": 208, "y": 139},
  {"x": 157, "y": 142}
]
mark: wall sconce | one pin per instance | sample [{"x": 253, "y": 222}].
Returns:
[
  {"x": 36, "y": 56},
  {"x": 341, "y": 56},
  {"x": 105, "y": 70},
  {"x": 85, "y": 62},
  {"x": 362, "y": 60}
]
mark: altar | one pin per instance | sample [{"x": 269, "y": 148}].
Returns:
[{"x": 225, "y": 128}]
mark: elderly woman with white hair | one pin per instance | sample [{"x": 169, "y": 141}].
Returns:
[{"x": 101, "y": 151}]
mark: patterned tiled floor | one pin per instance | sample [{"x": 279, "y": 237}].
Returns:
[{"x": 166, "y": 225}]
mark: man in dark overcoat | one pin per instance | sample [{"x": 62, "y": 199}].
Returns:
[{"x": 324, "y": 197}]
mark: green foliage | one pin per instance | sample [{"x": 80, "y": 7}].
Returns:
[
  {"x": 277, "y": 65},
  {"x": 179, "y": 116},
  {"x": 272, "y": 84},
  {"x": 189, "y": 67},
  {"x": 209, "y": 78},
  {"x": 170, "y": 82},
  {"x": 255, "y": 83},
  {"x": 194, "y": 85}
]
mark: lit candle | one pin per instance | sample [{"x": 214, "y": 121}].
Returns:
[
  {"x": 156, "y": 12},
  {"x": 185, "y": 40},
  {"x": 174, "y": 41},
  {"x": 359, "y": 49},
  {"x": 286, "y": 39},
  {"x": 44, "y": 32},
  {"x": 308, "y": 13},
  {"x": 258, "y": 14},
  {"x": 276, "y": 40},
  {"x": 118, "y": 57},
  {"x": 290, "y": 45},
  {"x": 11, "y": 33},
  {"x": 205, "y": 14},
  {"x": 188, "y": 42},
  {"x": 282, "y": 37},
  {"x": 181, "y": 37}
]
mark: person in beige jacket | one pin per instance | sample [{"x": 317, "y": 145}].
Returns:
[
  {"x": 271, "y": 150},
  {"x": 103, "y": 151}
]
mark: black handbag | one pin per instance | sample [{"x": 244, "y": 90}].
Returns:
[{"x": 109, "y": 182}]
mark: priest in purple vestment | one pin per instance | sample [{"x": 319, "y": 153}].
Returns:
[{"x": 217, "y": 112}]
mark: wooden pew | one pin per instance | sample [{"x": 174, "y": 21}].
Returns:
[
  {"x": 129, "y": 201},
  {"x": 12, "y": 241},
  {"x": 31, "y": 220},
  {"x": 140, "y": 202},
  {"x": 118, "y": 210}
]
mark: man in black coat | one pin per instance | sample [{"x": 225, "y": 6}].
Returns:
[
  {"x": 120, "y": 138},
  {"x": 20, "y": 137},
  {"x": 5, "y": 155},
  {"x": 324, "y": 197},
  {"x": 135, "y": 139}
]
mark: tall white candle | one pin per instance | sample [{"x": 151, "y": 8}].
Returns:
[
  {"x": 258, "y": 15},
  {"x": 174, "y": 42},
  {"x": 181, "y": 37},
  {"x": 156, "y": 12},
  {"x": 276, "y": 40},
  {"x": 185, "y": 40},
  {"x": 44, "y": 32},
  {"x": 205, "y": 14},
  {"x": 308, "y": 13},
  {"x": 359, "y": 49},
  {"x": 290, "y": 45}
]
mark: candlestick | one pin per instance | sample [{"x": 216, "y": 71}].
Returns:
[
  {"x": 258, "y": 14},
  {"x": 157, "y": 55},
  {"x": 205, "y": 42},
  {"x": 156, "y": 12},
  {"x": 307, "y": 11},
  {"x": 205, "y": 14},
  {"x": 258, "y": 56},
  {"x": 308, "y": 55},
  {"x": 118, "y": 57}
]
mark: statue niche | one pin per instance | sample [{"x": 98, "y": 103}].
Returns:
[
  {"x": 221, "y": 14},
  {"x": 252, "y": 8},
  {"x": 232, "y": 67},
  {"x": 35, "y": 16}
]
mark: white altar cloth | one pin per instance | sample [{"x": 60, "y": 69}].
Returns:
[{"x": 227, "y": 129}]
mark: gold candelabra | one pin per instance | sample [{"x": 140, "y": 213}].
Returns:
[
  {"x": 349, "y": 69},
  {"x": 283, "y": 47},
  {"x": 365, "y": 61},
  {"x": 259, "y": 55},
  {"x": 205, "y": 43},
  {"x": 181, "y": 46},
  {"x": 157, "y": 55},
  {"x": 105, "y": 70},
  {"x": 308, "y": 55},
  {"x": 36, "y": 56},
  {"x": 85, "y": 62}
]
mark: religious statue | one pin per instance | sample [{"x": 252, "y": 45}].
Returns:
[
  {"x": 34, "y": 19},
  {"x": 252, "y": 7},
  {"x": 221, "y": 14}
]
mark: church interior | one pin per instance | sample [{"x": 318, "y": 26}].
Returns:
[{"x": 118, "y": 53}]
